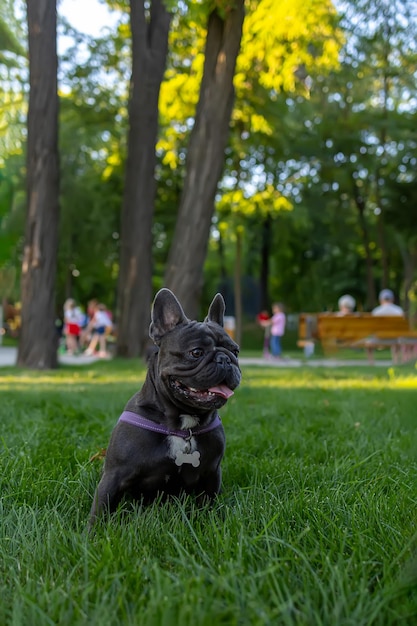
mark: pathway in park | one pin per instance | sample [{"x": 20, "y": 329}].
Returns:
[{"x": 8, "y": 357}]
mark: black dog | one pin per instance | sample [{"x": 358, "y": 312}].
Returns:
[{"x": 170, "y": 438}]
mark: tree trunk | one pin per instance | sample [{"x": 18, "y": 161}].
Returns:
[
  {"x": 238, "y": 285},
  {"x": 265, "y": 256},
  {"x": 184, "y": 272},
  {"x": 360, "y": 205},
  {"x": 409, "y": 258},
  {"x": 149, "y": 52},
  {"x": 222, "y": 258},
  {"x": 409, "y": 272},
  {"x": 385, "y": 283},
  {"x": 386, "y": 46},
  {"x": 39, "y": 339}
]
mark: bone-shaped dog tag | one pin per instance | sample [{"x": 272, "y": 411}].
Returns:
[{"x": 193, "y": 458}]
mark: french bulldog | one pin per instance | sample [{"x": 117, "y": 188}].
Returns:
[{"x": 169, "y": 439}]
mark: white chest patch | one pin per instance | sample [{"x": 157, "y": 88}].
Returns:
[
  {"x": 188, "y": 421},
  {"x": 184, "y": 451},
  {"x": 179, "y": 445}
]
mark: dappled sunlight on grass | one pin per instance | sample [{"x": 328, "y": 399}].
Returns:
[
  {"x": 133, "y": 373},
  {"x": 94, "y": 375},
  {"x": 326, "y": 378}
]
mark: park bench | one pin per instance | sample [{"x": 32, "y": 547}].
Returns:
[{"x": 360, "y": 331}]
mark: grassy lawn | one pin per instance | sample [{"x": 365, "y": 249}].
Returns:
[{"x": 316, "y": 523}]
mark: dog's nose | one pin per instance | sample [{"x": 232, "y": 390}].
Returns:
[{"x": 222, "y": 358}]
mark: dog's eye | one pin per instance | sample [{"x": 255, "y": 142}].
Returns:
[{"x": 197, "y": 353}]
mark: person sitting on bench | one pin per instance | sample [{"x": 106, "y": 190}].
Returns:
[
  {"x": 346, "y": 305},
  {"x": 387, "y": 306}
]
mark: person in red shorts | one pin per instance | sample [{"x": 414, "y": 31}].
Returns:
[{"x": 72, "y": 325}]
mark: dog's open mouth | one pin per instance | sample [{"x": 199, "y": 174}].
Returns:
[{"x": 203, "y": 395}]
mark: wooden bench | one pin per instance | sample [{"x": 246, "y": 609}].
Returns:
[{"x": 361, "y": 330}]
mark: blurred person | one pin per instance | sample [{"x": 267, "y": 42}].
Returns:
[
  {"x": 85, "y": 336},
  {"x": 277, "y": 328},
  {"x": 263, "y": 318},
  {"x": 346, "y": 304},
  {"x": 386, "y": 304},
  {"x": 100, "y": 325},
  {"x": 72, "y": 325}
]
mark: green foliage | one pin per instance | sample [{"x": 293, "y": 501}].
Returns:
[
  {"x": 324, "y": 111},
  {"x": 276, "y": 43},
  {"x": 91, "y": 190},
  {"x": 12, "y": 215},
  {"x": 10, "y": 30},
  {"x": 13, "y": 68},
  {"x": 315, "y": 525},
  {"x": 240, "y": 202}
]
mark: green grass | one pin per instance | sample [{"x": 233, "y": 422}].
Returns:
[{"x": 316, "y": 524}]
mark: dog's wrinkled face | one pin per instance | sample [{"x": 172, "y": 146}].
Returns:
[
  {"x": 197, "y": 361},
  {"x": 201, "y": 367}
]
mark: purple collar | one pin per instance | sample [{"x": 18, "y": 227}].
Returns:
[{"x": 137, "y": 420}]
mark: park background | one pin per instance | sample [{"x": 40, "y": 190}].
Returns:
[
  {"x": 263, "y": 149},
  {"x": 315, "y": 197}
]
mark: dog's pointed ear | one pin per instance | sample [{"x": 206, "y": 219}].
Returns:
[
  {"x": 166, "y": 314},
  {"x": 216, "y": 310}
]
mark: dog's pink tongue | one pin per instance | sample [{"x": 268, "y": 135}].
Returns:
[{"x": 222, "y": 390}]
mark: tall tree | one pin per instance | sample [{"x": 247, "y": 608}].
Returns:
[
  {"x": 149, "y": 52},
  {"x": 276, "y": 47},
  {"x": 38, "y": 341},
  {"x": 205, "y": 156}
]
